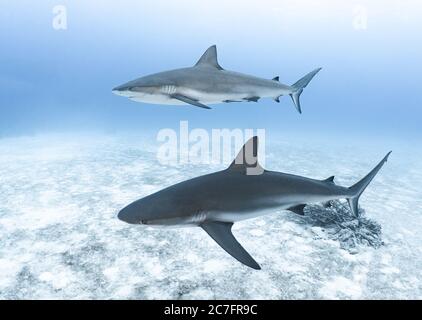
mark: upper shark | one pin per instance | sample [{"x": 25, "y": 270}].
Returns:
[
  {"x": 215, "y": 201},
  {"x": 208, "y": 83}
]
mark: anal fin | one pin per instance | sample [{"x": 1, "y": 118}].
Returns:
[
  {"x": 298, "y": 209},
  {"x": 222, "y": 234}
]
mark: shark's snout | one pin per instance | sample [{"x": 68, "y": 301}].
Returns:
[
  {"x": 122, "y": 90},
  {"x": 127, "y": 215}
]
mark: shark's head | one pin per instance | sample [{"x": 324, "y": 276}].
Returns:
[
  {"x": 133, "y": 89},
  {"x": 138, "y": 212},
  {"x": 124, "y": 90},
  {"x": 142, "y": 87},
  {"x": 156, "y": 209}
]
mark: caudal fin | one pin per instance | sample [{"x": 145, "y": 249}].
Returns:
[
  {"x": 299, "y": 86},
  {"x": 357, "y": 189}
]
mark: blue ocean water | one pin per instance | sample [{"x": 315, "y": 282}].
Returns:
[{"x": 61, "y": 79}]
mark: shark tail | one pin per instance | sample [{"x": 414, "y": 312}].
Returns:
[
  {"x": 299, "y": 86},
  {"x": 358, "y": 188}
]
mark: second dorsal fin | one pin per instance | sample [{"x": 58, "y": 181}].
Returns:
[
  {"x": 329, "y": 179},
  {"x": 247, "y": 159},
  {"x": 209, "y": 58}
]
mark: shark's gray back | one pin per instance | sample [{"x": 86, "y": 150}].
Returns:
[
  {"x": 203, "y": 78},
  {"x": 235, "y": 192},
  {"x": 244, "y": 190}
]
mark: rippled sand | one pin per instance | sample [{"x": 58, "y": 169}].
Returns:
[{"x": 60, "y": 238}]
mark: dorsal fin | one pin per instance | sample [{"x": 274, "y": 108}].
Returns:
[
  {"x": 247, "y": 159},
  {"x": 329, "y": 179},
  {"x": 276, "y": 78},
  {"x": 209, "y": 58}
]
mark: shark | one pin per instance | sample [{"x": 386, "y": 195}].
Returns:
[
  {"x": 208, "y": 83},
  {"x": 244, "y": 190}
]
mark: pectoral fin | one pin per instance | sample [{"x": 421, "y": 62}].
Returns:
[
  {"x": 222, "y": 234},
  {"x": 189, "y": 100}
]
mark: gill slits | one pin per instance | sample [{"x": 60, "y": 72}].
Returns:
[
  {"x": 168, "y": 89},
  {"x": 198, "y": 218}
]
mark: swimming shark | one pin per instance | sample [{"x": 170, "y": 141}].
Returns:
[
  {"x": 216, "y": 201},
  {"x": 208, "y": 83}
]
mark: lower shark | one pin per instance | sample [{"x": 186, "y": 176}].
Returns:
[
  {"x": 208, "y": 83},
  {"x": 216, "y": 201}
]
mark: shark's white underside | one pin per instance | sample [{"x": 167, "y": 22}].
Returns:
[{"x": 202, "y": 96}]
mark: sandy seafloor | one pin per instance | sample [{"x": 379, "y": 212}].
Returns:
[{"x": 60, "y": 237}]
